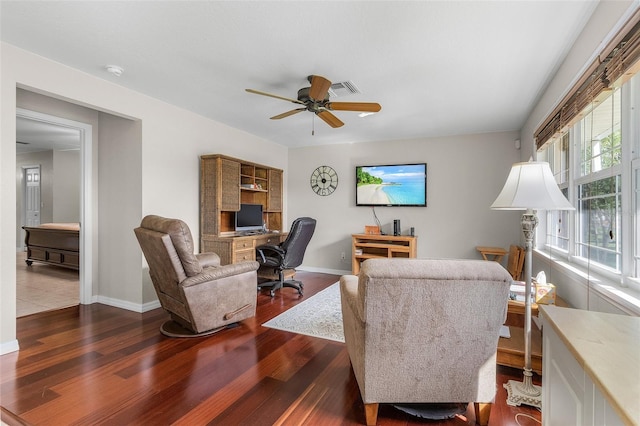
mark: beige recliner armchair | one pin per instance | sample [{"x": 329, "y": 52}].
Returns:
[
  {"x": 201, "y": 296},
  {"x": 425, "y": 331}
]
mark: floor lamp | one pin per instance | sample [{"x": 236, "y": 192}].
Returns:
[{"x": 530, "y": 186}]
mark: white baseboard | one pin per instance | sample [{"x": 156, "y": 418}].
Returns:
[
  {"x": 8, "y": 347},
  {"x": 150, "y": 306},
  {"x": 323, "y": 270},
  {"x": 129, "y": 306}
]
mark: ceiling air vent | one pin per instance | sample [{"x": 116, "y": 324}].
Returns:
[{"x": 343, "y": 88}]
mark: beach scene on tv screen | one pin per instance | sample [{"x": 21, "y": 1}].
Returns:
[{"x": 386, "y": 185}]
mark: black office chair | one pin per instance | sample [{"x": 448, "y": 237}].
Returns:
[{"x": 280, "y": 260}]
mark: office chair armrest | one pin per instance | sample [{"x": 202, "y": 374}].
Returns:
[{"x": 268, "y": 249}]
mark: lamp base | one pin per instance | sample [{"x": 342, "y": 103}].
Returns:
[{"x": 524, "y": 392}]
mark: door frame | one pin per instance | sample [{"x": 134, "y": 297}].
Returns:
[{"x": 86, "y": 194}]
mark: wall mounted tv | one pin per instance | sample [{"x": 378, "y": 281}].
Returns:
[
  {"x": 392, "y": 185},
  {"x": 249, "y": 218}
]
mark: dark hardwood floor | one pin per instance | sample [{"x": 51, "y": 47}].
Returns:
[{"x": 95, "y": 364}]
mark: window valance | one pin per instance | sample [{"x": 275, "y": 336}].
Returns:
[{"x": 617, "y": 62}]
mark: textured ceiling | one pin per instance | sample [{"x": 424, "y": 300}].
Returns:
[{"x": 436, "y": 67}]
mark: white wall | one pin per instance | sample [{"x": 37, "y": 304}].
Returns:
[
  {"x": 120, "y": 207},
  {"x": 66, "y": 186},
  {"x": 171, "y": 141},
  {"x": 464, "y": 176}
]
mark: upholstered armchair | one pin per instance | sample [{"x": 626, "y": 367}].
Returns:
[
  {"x": 425, "y": 331},
  {"x": 201, "y": 296}
]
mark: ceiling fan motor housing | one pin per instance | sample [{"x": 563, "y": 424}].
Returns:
[
  {"x": 303, "y": 96},
  {"x": 313, "y": 105}
]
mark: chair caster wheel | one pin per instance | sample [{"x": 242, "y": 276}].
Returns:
[{"x": 272, "y": 293}]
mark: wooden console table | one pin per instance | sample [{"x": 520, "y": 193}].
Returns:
[
  {"x": 511, "y": 350},
  {"x": 365, "y": 246}
]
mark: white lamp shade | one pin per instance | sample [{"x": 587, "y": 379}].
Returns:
[{"x": 531, "y": 186}]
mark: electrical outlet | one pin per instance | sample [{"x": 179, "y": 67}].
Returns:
[{"x": 342, "y": 256}]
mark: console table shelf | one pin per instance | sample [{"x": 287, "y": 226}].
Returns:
[{"x": 365, "y": 246}]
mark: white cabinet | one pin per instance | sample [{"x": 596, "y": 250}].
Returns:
[
  {"x": 569, "y": 397},
  {"x": 584, "y": 370}
]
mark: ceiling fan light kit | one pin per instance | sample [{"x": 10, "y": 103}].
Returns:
[{"x": 315, "y": 99}]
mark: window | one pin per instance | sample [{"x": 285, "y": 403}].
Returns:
[
  {"x": 590, "y": 162},
  {"x": 558, "y": 221},
  {"x": 591, "y": 140},
  {"x": 601, "y": 146},
  {"x": 558, "y": 227},
  {"x": 599, "y": 222},
  {"x": 599, "y": 185}
]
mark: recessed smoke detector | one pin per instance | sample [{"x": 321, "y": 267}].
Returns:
[
  {"x": 115, "y": 70},
  {"x": 343, "y": 88}
]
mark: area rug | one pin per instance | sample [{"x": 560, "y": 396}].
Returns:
[{"x": 318, "y": 316}]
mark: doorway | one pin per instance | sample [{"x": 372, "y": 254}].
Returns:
[{"x": 34, "y": 198}]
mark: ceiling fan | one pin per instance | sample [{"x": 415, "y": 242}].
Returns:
[{"x": 316, "y": 100}]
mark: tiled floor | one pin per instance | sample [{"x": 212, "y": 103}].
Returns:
[{"x": 41, "y": 287}]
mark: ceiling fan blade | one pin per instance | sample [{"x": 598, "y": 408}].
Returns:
[
  {"x": 319, "y": 88},
  {"x": 288, "y": 113},
  {"x": 257, "y": 92},
  {"x": 330, "y": 119},
  {"x": 354, "y": 106}
]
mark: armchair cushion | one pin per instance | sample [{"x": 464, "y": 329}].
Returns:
[{"x": 180, "y": 237}]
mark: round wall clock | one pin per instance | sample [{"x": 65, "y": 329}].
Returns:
[{"x": 324, "y": 180}]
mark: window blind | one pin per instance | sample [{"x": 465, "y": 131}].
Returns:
[{"x": 615, "y": 64}]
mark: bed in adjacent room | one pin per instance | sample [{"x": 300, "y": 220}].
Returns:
[{"x": 54, "y": 243}]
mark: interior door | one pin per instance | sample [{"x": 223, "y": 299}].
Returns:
[{"x": 32, "y": 196}]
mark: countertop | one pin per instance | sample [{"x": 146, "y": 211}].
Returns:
[{"x": 607, "y": 346}]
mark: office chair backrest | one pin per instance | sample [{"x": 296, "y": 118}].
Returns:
[{"x": 296, "y": 243}]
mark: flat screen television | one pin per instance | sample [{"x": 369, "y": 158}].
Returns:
[
  {"x": 403, "y": 185},
  {"x": 249, "y": 218}
]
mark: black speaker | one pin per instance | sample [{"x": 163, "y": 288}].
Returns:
[{"x": 396, "y": 227}]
